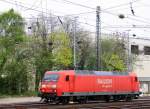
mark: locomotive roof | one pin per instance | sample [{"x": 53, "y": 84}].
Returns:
[
  {"x": 88, "y": 72},
  {"x": 111, "y": 73}
]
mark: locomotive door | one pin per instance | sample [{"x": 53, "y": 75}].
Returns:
[
  {"x": 134, "y": 83},
  {"x": 71, "y": 83}
]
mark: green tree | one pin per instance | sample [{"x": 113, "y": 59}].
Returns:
[
  {"x": 42, "y": 50},
  {"x": 13, "y": 66},
  {"x": 113, "y": 54},
  {"x": 12, "y": 25},
  {"x": 12, "y": 31},
  {"x": 83, "y": 48},
  {"x": 62, "y": 52}
]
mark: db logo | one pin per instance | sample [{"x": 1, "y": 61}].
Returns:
[{"x": 104, "y": 81}]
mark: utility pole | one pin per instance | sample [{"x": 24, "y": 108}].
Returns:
[
  {"x": 74, "y": 43},
  {"x": 52, "y": 25},
  {"x": 98, "y": 38},
  {"x": 129, "y": 52}
]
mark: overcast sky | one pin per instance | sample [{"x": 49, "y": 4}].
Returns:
[{"x": 109, "y": 19}]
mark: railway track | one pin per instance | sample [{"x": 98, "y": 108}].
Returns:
[{"x": 142, "y": 103}]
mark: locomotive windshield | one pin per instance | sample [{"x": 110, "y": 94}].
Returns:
[{"x": 51, "y": 77}]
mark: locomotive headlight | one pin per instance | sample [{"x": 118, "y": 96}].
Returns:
[
  {"x": 43, "y": 86},
  {"x": 53, "y": 86}
]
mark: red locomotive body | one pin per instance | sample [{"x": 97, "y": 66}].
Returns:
[{"x": 63, "y": 86}]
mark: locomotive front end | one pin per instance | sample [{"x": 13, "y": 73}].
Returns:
[{"x": 48, "y": 87}]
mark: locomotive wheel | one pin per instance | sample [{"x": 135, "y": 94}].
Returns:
[
  {"x": 83, "y": 101},
  {"x": 57, "y": 100},
  {"x": 65, "y": 100},
  {"x": 46, "y": 100},
  {"x": 136, "y": 96},
  {"x": 129, "y": 98},
  {"x": 116, "y": 98},
  {"x": 107, "y": 98}
]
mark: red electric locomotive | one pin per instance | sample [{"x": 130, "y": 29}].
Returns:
[{"x": 80, "y": 86}]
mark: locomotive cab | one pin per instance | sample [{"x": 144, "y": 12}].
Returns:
[
  {"x": 48, "y": 86},
  {"x": 49, "y": 83},
  {"x": 54, "y": 84}
]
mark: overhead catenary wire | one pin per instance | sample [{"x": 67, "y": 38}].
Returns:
[
  {"x": 131, "y": 8},
  {"x": 105, "y": 10},
  {"x": 33, "y": 6},
  {"x": 139, "y": 17},
  {"x": 22, "y": 6},
  {"x": 63, "y": 16},
  {"x": 120, "y": 5},
  {"x": 111, "y": 8},
  {"x": 127, "y": 17},
  {"x": 27, "y": 7},
  {"x": 85, "y": 6},
  {"x": 108, "y": 26},
  {"x": 47, "y": 13},
  {"x": 77, "y": 4},
  {"x": 70, "y": 15},
  {"x": 40, "y": 11},
  {"x": 127, "y": 26}
]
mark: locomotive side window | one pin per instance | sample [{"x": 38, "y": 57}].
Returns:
[
  {"x": 51, "y": 77},
  {"x": 146, "y": 50},
  {"x": 136, "y": 79},
  {"x": 135, "y": 49},
  {"x": 67, "y": 78}
]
